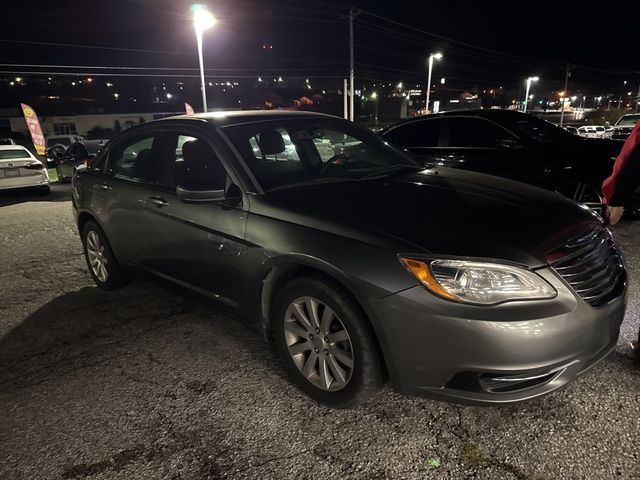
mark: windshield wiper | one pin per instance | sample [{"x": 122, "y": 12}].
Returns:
[{"x": 314, "y": 181}]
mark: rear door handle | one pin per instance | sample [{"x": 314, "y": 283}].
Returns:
[
  {"x": 158, "y": 201},
  {"x": 101, "y": 186}
]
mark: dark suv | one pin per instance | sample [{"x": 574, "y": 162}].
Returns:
[{"x": 361, "y": 264}]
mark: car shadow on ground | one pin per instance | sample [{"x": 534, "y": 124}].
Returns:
[
  {"x": 60, "y": 192},
  {"x": 146, "y": 374},
  {"x": 94, "y": 328}
]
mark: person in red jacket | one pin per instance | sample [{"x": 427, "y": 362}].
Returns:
[
  {"x": 622, "y": 183},
  {"x": 624, "y": 179}
]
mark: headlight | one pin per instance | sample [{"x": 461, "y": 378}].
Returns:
[{"x": 478, "y": 282}]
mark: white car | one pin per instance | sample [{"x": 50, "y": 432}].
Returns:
[
  {"x": 591, "y": 131},
  {"x": 20, "y": 169}
]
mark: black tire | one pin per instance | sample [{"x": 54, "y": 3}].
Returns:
[
  {"x": 367, "y": 374},
  {"x": 116, "y": 277}
]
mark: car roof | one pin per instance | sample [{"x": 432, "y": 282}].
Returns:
[
  {"x": 13, "y": 147},
  {"x": 92, "y": 146},
  {"x": 494, "y": 114},
  {"x": 238, "y": 117}
]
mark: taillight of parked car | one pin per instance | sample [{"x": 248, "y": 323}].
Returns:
[{"x": 34, "y": 166}]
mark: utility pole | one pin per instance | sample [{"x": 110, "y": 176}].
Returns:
[
  {"x": 352, "y": 89},
  {"x": 345, "y": 96},
  {"x": 566, "y": 93}
]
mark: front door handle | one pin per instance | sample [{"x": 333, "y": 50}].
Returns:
[
  {"x": 158, "y": 201},
  {"x": 101, "y": 186}
]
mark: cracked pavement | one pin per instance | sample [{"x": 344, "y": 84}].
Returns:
[{"x": 147, "y": 383}]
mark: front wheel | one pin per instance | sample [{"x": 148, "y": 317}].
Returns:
[
  {"x": 326, "y": 343},
  {"x": 103, "y": 266}
]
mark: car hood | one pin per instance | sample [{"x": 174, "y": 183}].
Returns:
[
  {"x": 623, "y": 127},
  {"x": 442, "y": 212}
]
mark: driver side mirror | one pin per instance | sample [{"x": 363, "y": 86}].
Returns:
[
  {"x": 509, "y": 143},
  {"x": 231, "y": 196}
]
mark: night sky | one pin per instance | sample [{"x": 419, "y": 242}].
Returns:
[{"x": 487, "y": 43}]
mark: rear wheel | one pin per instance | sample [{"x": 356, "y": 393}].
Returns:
[
  {"x": 103, "y": 266},
  {"x": 583, "y": 193},
  {"x": 326, "y": 343}
]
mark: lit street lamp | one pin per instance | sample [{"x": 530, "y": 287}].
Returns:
[
  {"x": 202, "y": 20},
  {"x": 526, "y": 96},
  {"x": 437, "y": 56}
]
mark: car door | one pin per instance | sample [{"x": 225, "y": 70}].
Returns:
[
  {"x": 480, "y": 145},
  {"x": 197, "y": 244},
  {"x": 67, "y": 163},
  {"x": 423, "y": 138},
  {"x": 122, "y": 192}
]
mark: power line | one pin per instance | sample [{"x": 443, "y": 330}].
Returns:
[
  {"x": 167, "y": 75},
  {"x": 448, "y": 39}
]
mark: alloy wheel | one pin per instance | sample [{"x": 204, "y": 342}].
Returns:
[
  {"x": 319, "y": 344},
  {"x": 96, "y": 254}
]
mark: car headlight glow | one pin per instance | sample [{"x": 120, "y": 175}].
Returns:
[{"x": 479, "y": 283}]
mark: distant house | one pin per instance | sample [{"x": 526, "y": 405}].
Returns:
[{"x": 12, "y": 122}]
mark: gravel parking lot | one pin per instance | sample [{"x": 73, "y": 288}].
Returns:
[{"x": 147, "y": 383}]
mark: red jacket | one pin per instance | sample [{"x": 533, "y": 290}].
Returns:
[{"x": 626, "y": 172}]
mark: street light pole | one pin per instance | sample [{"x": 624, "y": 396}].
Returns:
[
  {"x": 437, "y": 56},
  {"x": 566, "y": 92},
  {"x": 202, "y": 20},
  {"x": 201, "y": 61},
  {"x": 352, "y": 89},
  {"x": 345, "y": 96},
  {"x": 526, "y": 96}
]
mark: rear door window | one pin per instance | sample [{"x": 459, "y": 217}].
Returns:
[
  {"x": 421, "y": 133},
  {"x": 132, "y": 159},
  {"x": 475, "y": 133}
]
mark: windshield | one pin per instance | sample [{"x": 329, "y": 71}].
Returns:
[
  {"x": 14, "y": 153},
  {"x": 628, "y": 120},
  {"x": 537, "y": 129},
  {"x": 291, "y": 153}
]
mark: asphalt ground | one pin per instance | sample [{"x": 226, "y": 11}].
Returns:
[{"x": 147, "y": 383}]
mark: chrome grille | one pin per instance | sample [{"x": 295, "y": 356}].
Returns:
[{"x": 592, "y": 265}]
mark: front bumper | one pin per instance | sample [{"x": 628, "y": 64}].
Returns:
[{"x": 492, "y": 355}]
